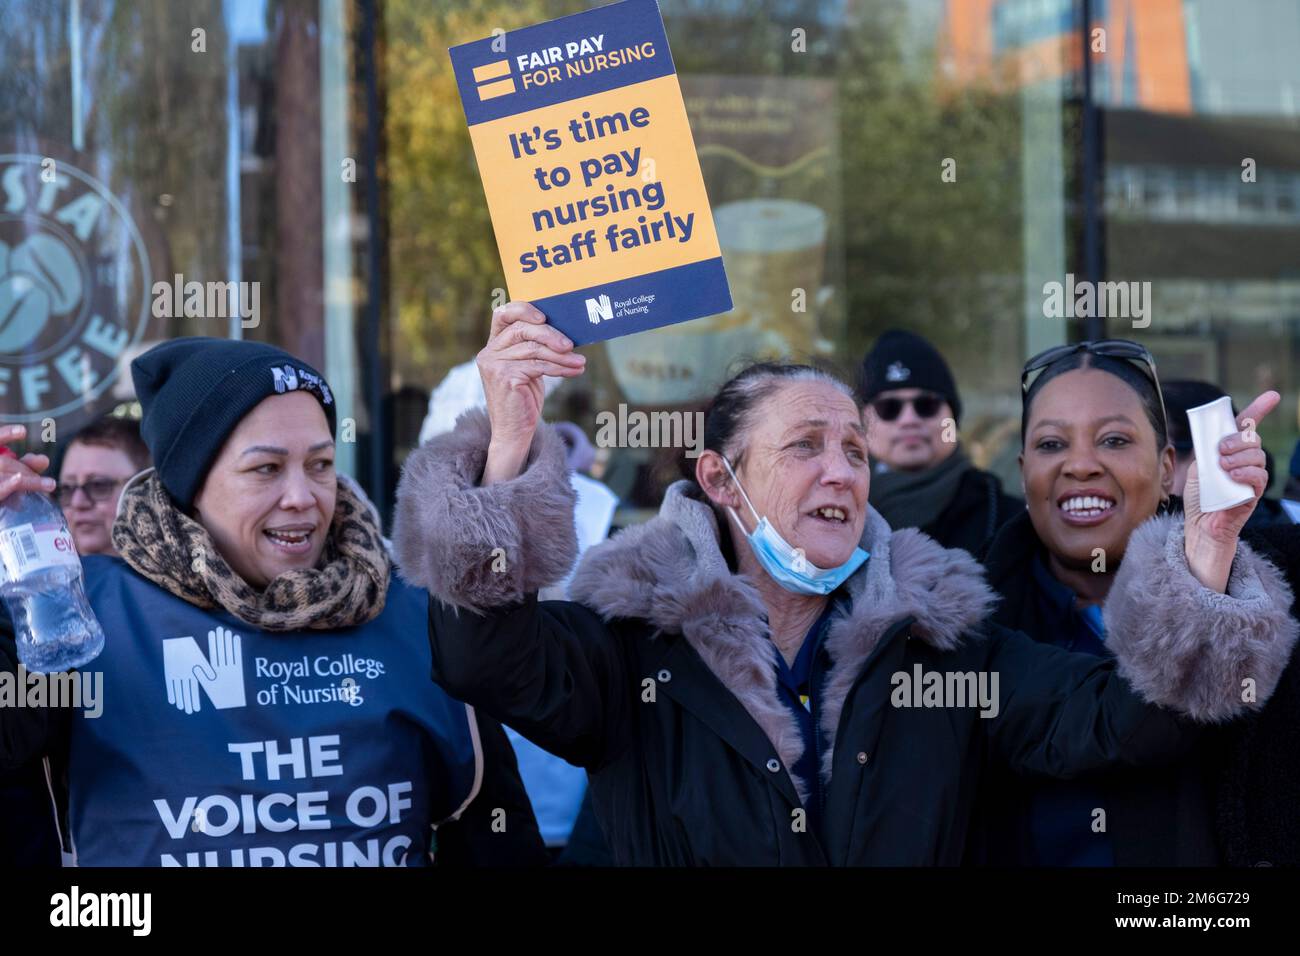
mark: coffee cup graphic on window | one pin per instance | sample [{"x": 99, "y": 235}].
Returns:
[
  {"x": 40, "y": 279},
  {"x": 771, "y": 248}
]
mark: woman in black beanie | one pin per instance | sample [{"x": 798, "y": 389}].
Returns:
[{"x": 265, "y": 679}]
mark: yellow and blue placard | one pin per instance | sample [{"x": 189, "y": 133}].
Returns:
[{"x": 590, "y": 172}]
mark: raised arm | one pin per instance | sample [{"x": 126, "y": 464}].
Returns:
[
  {"x": 484, "y": 519},
  {"x": 1185, "y": 654},
  {"x": 1061, "y": 714}
]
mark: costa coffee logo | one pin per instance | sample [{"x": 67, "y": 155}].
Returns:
[{"x": 73, "y": 287}]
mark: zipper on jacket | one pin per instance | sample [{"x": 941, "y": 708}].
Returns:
[
  {"x": 65, "y": 846},
  {"x": 814, "y": 698},
  {"x": 817, "y": 752}
]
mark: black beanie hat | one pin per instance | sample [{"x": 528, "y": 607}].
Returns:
[
  {"x": 901, "y": 359},
  {"x": 195, "y": 390}
]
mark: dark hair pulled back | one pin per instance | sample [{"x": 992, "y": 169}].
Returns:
[{"x": 1125, "y": 371}]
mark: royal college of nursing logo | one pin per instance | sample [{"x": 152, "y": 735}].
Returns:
[
  {"x": 599, "y": 310},
  {"x": 74, "y": 281}
]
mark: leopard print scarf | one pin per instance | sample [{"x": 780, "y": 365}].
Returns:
[{"x": 175, "y": 552}]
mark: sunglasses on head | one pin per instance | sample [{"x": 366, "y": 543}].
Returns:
[
  {"x": 1137, "y": 355},
  {"x": 927, "y": 405}
]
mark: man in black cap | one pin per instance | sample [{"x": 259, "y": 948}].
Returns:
[{"x": 921, "y": 478}]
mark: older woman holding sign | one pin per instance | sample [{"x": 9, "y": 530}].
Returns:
[
  {"x": 765, "y": 674},
  {"x": 264, "y": 698}
]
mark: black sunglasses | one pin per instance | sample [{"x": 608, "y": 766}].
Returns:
[
  {"x": 1131, "y": 352},
  {"x": 96, "y": 489},
  {"x": 927, "y": 405}
]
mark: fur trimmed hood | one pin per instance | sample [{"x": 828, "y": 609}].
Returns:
[{"x": 671, "y": 573}]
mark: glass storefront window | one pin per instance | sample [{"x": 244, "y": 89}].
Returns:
[
  {"x": 865, "y": 173},
  {"x": 171, "y": 169},
  {"x": 1213, "y": 139},
  {"x": 929, "y": 164}
]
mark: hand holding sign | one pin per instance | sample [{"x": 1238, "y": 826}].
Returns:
[{"x": 521, "y": 350}]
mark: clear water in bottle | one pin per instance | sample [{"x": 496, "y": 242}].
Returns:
[{"x": 41, "y": 584}]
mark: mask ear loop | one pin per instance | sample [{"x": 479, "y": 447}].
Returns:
[{"x": 741, "y": 489}]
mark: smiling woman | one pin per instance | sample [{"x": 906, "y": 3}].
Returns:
[
  {"x": 1101, "y": 533},
  {"x": 1096, "y": 463},
  {"x": 268, "y": 500},
  {"x": 257, "y": 479},
  {"x": 738, "y": 651},
  {"x": 244, "y": 532}
]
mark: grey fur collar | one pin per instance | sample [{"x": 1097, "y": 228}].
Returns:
[
  {"x": 671, "y": 573},
  {"x": 1185, "y": 647}
]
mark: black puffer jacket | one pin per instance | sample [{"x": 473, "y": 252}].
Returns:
[
  {"x": 1165, "y": 815},
  {"x": 661, "y": 681}
]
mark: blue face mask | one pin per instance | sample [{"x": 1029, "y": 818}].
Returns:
[{"x": 785, "y": 565}]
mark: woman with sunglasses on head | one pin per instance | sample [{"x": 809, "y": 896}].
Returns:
[
  {"x": 750, "y": 678},
  {"x": 921, "y": 477},
  {"x": 1097, "y": 470}
]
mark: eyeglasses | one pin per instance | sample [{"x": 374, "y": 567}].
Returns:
[
  {"x": 1131, "y": 352},
  {"x": 96, "y": 489},
  {"x": 927, "y": 405}
]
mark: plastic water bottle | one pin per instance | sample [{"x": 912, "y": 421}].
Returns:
[{"x": 41, "y": 585}]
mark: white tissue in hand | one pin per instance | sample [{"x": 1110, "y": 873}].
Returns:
[{"x": 1210, "y": 424}]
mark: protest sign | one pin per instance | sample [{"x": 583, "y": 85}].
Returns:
[{"x": 590, "y": 172}]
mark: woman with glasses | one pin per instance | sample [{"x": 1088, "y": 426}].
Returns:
[
  {"x": 1097, "y": 470},
  {"x": 98, "y": 461},
  {"x": 766, "y": 673}
]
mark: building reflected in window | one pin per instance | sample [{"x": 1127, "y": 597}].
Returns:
[{"x": 927, "y": 164}]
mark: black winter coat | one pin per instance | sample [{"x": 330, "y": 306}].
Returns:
[
  {"x": 660, "y": 681},
  {"x": 1165, "y": 815},
  {"x": 1257, "y": 790}
]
